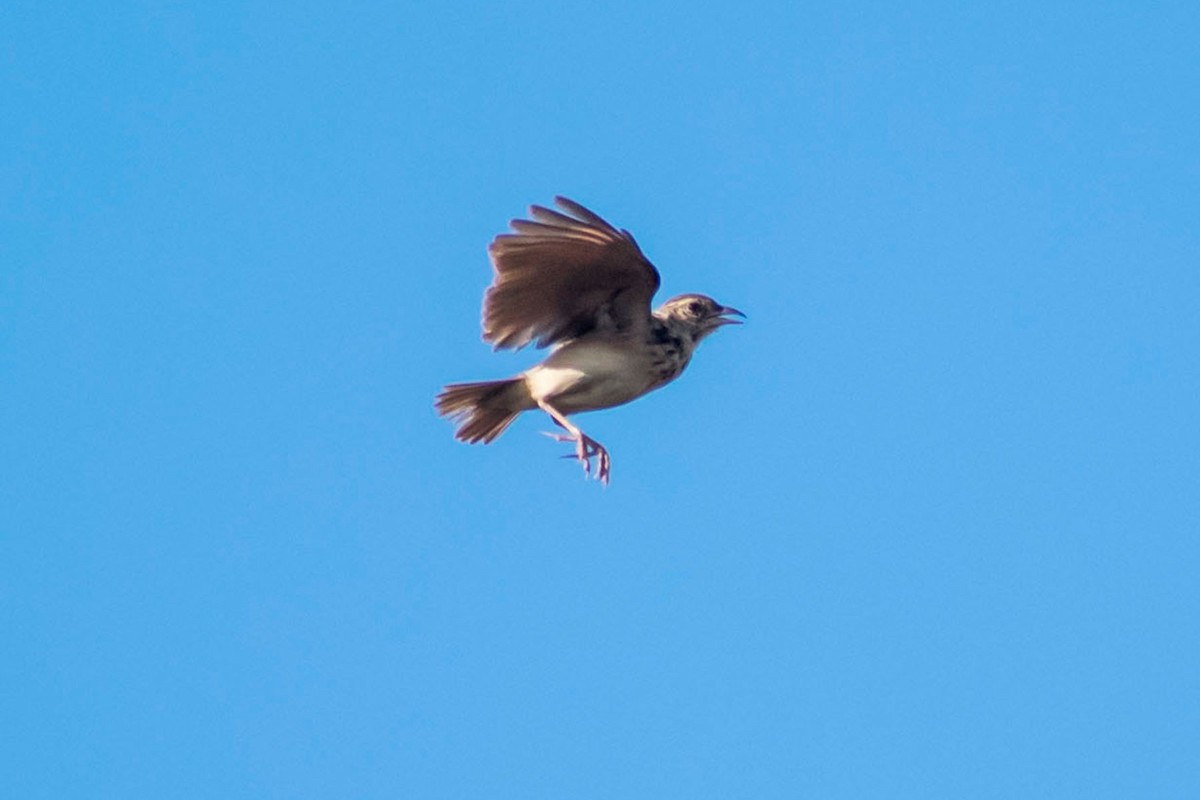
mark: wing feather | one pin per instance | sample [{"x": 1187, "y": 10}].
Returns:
[{"x": 561, "y": 276}]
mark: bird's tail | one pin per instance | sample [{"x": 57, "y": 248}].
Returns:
[{"x": 484, "y": 409}]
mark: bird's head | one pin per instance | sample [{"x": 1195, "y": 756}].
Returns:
[{"x": 697, "y": 314}]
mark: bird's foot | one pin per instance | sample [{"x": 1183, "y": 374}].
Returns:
[
  {"x": 587, "y": 448},
  {"x": 603, "y": 462}
]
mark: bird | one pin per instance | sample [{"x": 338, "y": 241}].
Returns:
[{"x": 568, "y": 280}]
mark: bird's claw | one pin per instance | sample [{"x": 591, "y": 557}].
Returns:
[
  {"x": 587, "y": 448},
  {"x": 604, "y": 467}
]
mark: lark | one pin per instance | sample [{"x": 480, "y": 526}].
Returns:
[{"x": 570, "y": 281}]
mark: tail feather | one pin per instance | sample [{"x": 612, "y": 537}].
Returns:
[{"x": 484, "y": 409}]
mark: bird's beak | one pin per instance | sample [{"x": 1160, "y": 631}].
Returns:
[{"x": 728, "y": 311}]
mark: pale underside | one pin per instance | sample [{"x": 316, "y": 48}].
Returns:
[{"x": 590, "y": 374}]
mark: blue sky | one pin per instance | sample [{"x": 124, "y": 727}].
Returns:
[{"x": 926, "y": 526}]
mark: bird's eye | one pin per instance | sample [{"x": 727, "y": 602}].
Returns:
[{"x": 695, "y": 307}]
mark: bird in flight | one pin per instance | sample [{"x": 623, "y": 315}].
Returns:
[{"x": 570, "y": 281}]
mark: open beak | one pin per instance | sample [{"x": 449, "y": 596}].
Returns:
[{"x": 726, "y": 312}]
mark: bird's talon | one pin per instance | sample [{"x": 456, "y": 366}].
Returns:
[
  {"x": 586, "y": 449},
  {"x": 604, "y": 468}
]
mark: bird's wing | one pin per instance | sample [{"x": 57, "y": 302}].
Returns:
[{"x": 563, "y": 275}]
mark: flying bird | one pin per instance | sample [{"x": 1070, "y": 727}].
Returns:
[{"x": 570, "y": 281}]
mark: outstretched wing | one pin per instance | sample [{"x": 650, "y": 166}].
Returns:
[{"x": 563, "y": 275}]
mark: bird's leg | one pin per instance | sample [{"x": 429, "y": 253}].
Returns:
[{"x": 585, "y": 446}]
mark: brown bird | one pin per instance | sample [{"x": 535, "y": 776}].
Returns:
[{"x": 573, "y": 282}]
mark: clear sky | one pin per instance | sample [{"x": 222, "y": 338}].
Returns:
[{"x": 927, "y": 526}]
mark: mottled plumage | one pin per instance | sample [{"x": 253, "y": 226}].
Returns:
[{"x": 573, "y": 282}]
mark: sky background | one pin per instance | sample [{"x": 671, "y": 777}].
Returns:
[{"x": 927, "y": 526}]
